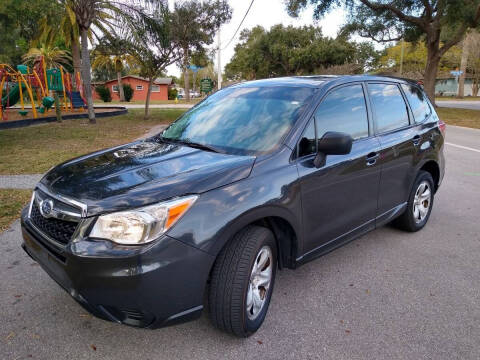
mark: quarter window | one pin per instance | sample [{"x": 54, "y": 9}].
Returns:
[
  {"x": 308, "y": 143},
  {"x": 390, "y": 108},
  {"x": 418, "y": 102},
  {"x": 343, "y": 110}
]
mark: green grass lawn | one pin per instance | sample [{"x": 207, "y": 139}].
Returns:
[
  {"x": 460, "y": 117},
  {"x": 36, "y": 149},
  {"x": 11, "y": 203}
]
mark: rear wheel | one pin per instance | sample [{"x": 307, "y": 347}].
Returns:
[
  {"x": 419, "y": 204},
  {"x": 242, "y": 281}
]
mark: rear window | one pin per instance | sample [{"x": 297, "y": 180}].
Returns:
[
  {"x": 418, "y": 102},
  {"x": 390, "y": 108}
]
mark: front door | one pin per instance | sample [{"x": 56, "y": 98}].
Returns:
[{"x": 339, "y": 198}]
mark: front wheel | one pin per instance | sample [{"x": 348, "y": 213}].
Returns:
[
  {"x": 242, "y": 281},
  {"x": 419, "y": 204}
]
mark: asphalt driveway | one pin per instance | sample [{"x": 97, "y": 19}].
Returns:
[{"x": 387, "y": 295}]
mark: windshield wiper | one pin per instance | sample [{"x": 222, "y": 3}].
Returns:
[{"x": 192, "y": 144}]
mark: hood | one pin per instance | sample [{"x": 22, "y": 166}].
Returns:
[{"x": 143, "y": 173}]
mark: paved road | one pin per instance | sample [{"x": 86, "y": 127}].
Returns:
[
  {"x": 462, "y": 104},
  {"x": 387, "y": 295}
]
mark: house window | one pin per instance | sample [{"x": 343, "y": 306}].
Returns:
[
  {"x": 115, "y": 88},
  {"x": 139, "y": 87},
  {"x": 155, "y": 88}
]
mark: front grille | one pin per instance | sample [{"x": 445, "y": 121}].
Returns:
[{"x": 59, "y": 230}]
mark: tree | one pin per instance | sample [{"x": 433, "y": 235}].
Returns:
[
  {"x": 467, "y": 44},
  {"x": 19, "y": 26},
  {"x": 442, "y": 23},
  {"x": 88, "y": 12},
  {"x": 195, "y": 25},
  {"x": 67, "y": 29},
  {"x": 151, "y": 43},
  {"x": 53, "y": 56},
  {"x": 414, "y": 60},
  {"x": 292, "y": 50},
  {"x": 473, "y": 60},
  {"x": 112, "y": 57}
]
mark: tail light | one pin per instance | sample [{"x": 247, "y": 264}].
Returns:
[{"x": 442, "y": 126}]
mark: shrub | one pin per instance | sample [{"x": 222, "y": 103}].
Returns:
[
  {"x": 127, "y": 92},
  {"x": 172, "y": 93},
  {"x": 104, "y": 93}
]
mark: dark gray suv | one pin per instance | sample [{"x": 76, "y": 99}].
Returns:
[{"x": 260, "y": 176}]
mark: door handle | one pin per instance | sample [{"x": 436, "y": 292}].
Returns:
[
  {"x": 372, "y": 158},
  {"x": 416, "y": 140}
]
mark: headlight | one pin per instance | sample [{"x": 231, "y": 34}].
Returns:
[{"x": 142, "y": 225}]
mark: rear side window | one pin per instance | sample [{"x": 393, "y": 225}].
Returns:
[
  {"x": 343, "y": 110},
  {"x": 390, "y": 108},
  {"x": 418, "y": 102}
]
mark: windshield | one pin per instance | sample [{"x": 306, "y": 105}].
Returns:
[{"x": 243, "y": 120}]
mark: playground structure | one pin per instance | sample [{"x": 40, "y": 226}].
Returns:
[{"x": 37, "y": 84}]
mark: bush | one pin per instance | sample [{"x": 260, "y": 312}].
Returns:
[
  {"x": 127, "y": 92},
  {"x": 172, "y": 93},
  {"x": 104, "y": 93}
]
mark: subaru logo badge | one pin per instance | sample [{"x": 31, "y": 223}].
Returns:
[{"x": 46, "y": 208}]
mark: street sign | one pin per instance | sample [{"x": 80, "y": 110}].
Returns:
[
  {"x": 206, "y": 85},
  {"x": 194, "y": 68}
]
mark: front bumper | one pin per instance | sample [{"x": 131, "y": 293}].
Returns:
[{"x": 160, "y": 286}]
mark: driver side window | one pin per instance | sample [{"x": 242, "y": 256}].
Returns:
[{"x": 343, "y": 110}]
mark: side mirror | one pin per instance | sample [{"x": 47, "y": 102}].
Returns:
[{"x": 332, "y": 143}]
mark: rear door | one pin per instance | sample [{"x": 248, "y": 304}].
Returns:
[
  {"x": 399, "y": 139},
  {"x": 339, "y": 198}
]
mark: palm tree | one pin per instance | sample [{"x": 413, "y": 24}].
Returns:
[
  {"x": 88, "y": 13},
  {"x": 67, "y": 28},
  {"x": 52, "y": 55},
  {"x": 115, "y": 63}
]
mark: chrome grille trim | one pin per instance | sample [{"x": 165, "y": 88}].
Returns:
[{"x": 77, "y": 204}]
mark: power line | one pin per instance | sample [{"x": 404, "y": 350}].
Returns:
[{"x": 239, "y": 26}]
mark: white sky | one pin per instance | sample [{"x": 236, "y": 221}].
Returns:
[{"x": 266, "y": 13}]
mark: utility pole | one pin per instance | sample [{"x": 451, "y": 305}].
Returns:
[
  {"x": 219, "y": 63},
  {"x": 401, "y": 56}
]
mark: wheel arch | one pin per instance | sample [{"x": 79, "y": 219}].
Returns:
[
  {"x": 277, "y": 220},
  {"x": 432, "y": 167}
]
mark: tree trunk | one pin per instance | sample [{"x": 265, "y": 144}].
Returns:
[
  {"x": 186, "y": 76},
  {"x": 147, "y": 101},
  {"x": 120, "y": 86},
  {"x": 86, "y": 76},
  {"x": 433, "y": 59},
  {"x": 463, "y": 67},
  {"x": 77, "y": 62},
  {"x": 475, "y": 87}
]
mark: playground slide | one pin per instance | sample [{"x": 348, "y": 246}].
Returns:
[{"x": 13, "y": 96}]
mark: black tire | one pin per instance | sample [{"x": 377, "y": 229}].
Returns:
[
  {"x": 230, "y": 281},
  {"x": 407, "y": 220}
]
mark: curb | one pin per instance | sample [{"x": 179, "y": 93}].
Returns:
[{"x": 118, "y": 110}]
